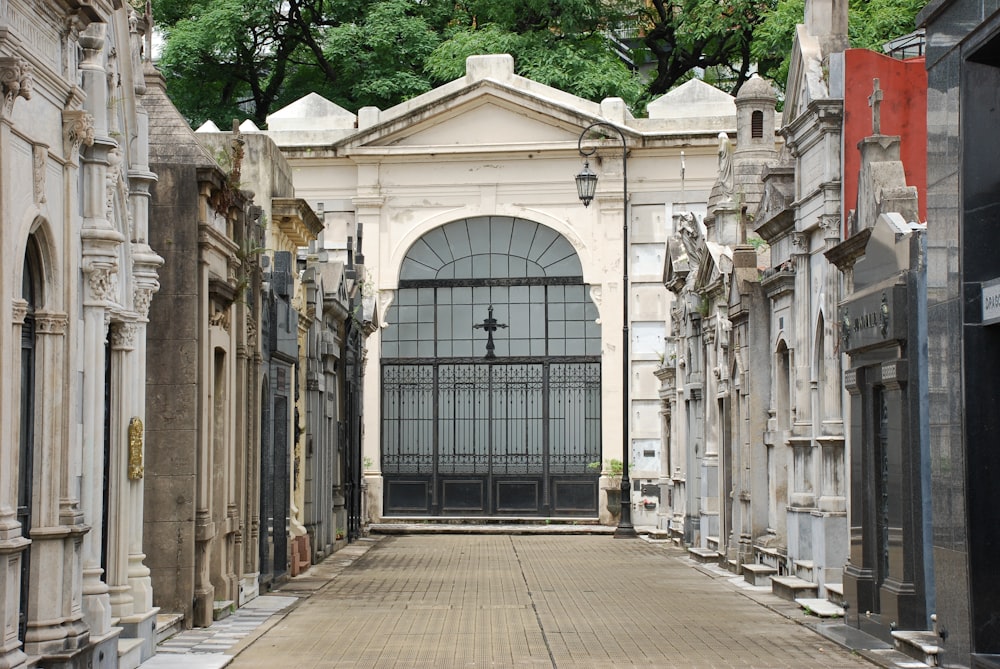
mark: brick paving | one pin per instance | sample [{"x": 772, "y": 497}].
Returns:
[{"x": 523, "y": 600}]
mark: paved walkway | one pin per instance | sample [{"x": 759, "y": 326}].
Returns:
[{"x": 513, "y": 600}]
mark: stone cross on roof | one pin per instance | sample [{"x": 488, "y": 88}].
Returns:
[{"x": 874, "y": 101}]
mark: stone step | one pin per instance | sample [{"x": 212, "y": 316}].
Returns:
[
  {"x": 758, "y": 574},
  {"x": 713, "y": 543},
  {"x": 733, "y": 566},
  {"x": 167, "y": 625},
  {"x": 823, "y": 608},
  {"x": 835, "y": 593},
  {"x": 920, "y": 645},
  {"x": 704, "y": 555},
  {"x": 129, "y": 653},
  {"x": 221, "y": 609},
  {"x": 793, "y": 587},
  {"x": 804, "y": 569}
]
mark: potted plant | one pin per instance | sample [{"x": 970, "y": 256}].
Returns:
[{"x": 612, "y": 483}]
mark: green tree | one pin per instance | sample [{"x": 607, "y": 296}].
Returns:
[
  {"x": 380, "y": 57},
  {"x": 871, "y": 23},
  {"x": 560, "y": 43},
  {"x": 711, "y": 35},
  {"x": 225, "y": 59}
]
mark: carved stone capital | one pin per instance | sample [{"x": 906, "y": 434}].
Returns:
[
  {"x": 20, "y": 311},
  {"x": 78, "y": 130},
  {"x": 142, "y": 297},
  {"x": 123, "y": 336},
  {"x": 830, "y": 223},
  {"x": 16, "y": 81},
  {"x": 100, "y": 280},
  {"x": 800, "y": 242},
  {"x": 51, "y": 323}
]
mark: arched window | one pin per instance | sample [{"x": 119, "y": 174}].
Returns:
[
  {"x": 757, "y": 124},
  {"x": 31, "y": 286}
]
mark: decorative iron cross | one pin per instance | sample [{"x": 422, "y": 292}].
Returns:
[
  {"x": 490, "y": 325},
  {"x": 874, "y": 101}
]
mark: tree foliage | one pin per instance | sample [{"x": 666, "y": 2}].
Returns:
[
  {"x": 560, "y": 43},
  {"x": 226, "y": 59},
  {"x": 688, "y": 35},
  {"x": 871, "y": 23}
]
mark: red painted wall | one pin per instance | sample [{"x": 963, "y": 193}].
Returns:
[{"x": 903, "y": 112}]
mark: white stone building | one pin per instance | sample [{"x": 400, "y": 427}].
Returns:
[
  {"x": 74, "y": 297},
  {"x": 460, "y": 194}
]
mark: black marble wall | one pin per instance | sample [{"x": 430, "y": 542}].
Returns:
[{"x": 964, "y": 356}]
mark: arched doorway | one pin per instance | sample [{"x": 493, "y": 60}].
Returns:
[{"x": 491, "y": 380}]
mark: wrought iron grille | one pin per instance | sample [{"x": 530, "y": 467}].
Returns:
[{"x": 491, "y": 388}]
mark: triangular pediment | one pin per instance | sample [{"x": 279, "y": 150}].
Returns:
[
  {"x": 480, "y": 113},
  {"x": 692, "y": 99},
  {"x": 718, "y": 260},
  {"x": 482, "y": 120},
  {"x": 676, "y": 266},
  {"x": 806, "y": 79},
  {"x": 773, "y": 213}
]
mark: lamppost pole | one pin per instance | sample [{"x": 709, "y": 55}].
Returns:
[{"x": 586, "y": 185}]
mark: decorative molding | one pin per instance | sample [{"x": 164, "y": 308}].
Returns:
[
  {"x": 39, "y": 161},
  {"x": 78, "y": 130},
  {"x": 251, "y": 341},
  {"x": 17, "y": 80},
  {"x": 135, "y": 468},
  {"x": 111, "y": 183},
  {"x": 220, "y": 318},
  {"x": 101, "y": 282}
]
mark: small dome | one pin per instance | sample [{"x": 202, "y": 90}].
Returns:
[{"x": 756, "y": 89}]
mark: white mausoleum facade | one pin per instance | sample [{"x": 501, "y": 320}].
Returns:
[
  {"x": 78, "y": 277},
  {"x": 467, "y": 210}
]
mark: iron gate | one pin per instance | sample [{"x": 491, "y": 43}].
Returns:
[
  {"x": 485, "y": 438},
  {"x": 491, "y": 382}
]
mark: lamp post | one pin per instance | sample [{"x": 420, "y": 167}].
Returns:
[{"x": 586, "y": 185}]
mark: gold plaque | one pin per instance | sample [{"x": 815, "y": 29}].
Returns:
[{"x": 135, "y": 449}]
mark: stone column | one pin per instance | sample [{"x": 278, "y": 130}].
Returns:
[
  {"x": 802, "y": 487},
  {"x": 96, "y": 601},
  {"x": 144, "y": 275},
  {"x": 145, "y": 263},
  {"x": 859, "y": 578},
  {"x": 99, "y": 242},
  {"x": 122, "y": 360},
  {"x": 16, "y": 81},
  {"x": 12, "y": 542}
]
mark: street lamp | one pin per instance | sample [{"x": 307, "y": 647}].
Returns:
[{"x": 586, "y": 185}]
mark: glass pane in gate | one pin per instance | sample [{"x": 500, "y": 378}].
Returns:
[
  {"x": 517, "y": 419},
  {"x": 574, "y": 417},
  {"x": 463, "y": 419},
  {"x": 408, "y": 419}
]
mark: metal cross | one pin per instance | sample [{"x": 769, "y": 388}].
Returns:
[
  {"x": 874, "y": 100},
  {"x": 490, "y": 325}
]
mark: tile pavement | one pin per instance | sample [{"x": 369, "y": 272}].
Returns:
[
  {"x": 214, "y": 647},
  {"x": 514, "y": 600}
]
